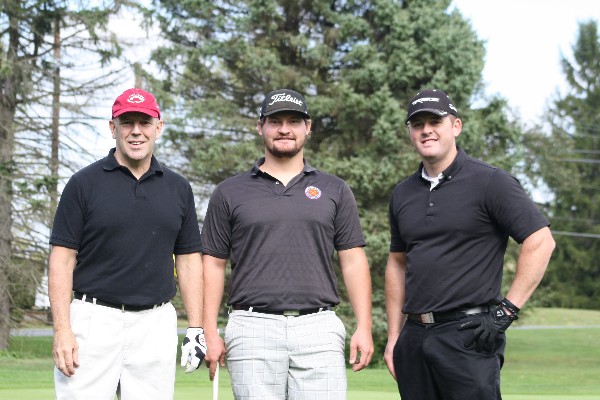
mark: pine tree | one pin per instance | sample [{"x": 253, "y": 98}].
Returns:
[
  {"x": 568, "y": 164},
  {"x": 357, "y": 62}
]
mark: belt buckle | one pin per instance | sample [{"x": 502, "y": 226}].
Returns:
[
  {"x": 427, "y": 318},
  {"x": 475, "y": 310},
  {"x": 291, "y": 313}
]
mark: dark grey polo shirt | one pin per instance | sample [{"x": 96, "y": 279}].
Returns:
[
  {"x": 281, "y": 238},
  {"x": 455, "y": 235},
  {"x": 126, "y": 230}
]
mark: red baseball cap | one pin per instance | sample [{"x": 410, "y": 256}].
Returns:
[{"x": 136, "y": 100}]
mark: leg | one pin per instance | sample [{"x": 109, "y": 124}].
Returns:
[
  {"x": 150, "y": 354},
  {"x": 413, "y": 373},
  {"x": 257, "y": 355},
  {"x": 99, "y": 334},
  {"x": 317, "y": 363},
  {"x": 464, "y": 373}
]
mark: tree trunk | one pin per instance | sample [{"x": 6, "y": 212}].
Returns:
[
  {"x": 8, "y": 100},
  {"x": 55, "y": 140}
]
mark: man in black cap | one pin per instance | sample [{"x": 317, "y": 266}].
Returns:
[
  {"x": 450, "y": 224},
  {"x": 279, "y": 224}
]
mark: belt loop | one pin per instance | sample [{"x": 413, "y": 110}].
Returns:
[
  {"x": 320, "y": 309},
  {"x": 83, "y": 297},
  {"x": 250, "y": 309},
  {"x": 229, "y": 308},
  {"x": 122, "y": 307}
]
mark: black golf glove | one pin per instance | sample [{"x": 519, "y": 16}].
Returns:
[
  {"x": 489, "y": 326},
  {"x": 193, "y": 349}
]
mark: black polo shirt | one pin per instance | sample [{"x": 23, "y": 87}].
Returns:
[
  {"x": 455, "y": 235},
  {"x": 281, "y": 238},
  {"x": 126, "y": 230}
]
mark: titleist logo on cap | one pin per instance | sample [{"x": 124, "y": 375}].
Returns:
[
  {"x": 285, "y": 97},
  {"x": 283, "y": 100}
]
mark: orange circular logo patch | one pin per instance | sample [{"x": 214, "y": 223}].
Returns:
[{"x": 312, "y": 192}]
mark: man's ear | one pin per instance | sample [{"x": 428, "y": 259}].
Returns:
[
  {"x": 113, "y": 128},
  {"x": 159, "y": 128},
  {"x": 259, "y": 126},
  {"x": 457, "y": 127}
]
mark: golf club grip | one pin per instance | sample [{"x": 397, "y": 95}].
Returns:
[
  {"x": 215, "y": 388},
  {"x": 215, "y": 391}
]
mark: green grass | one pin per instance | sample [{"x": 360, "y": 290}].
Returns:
[
  {"x": 29, "y": 379},
  {"x": 552, "y": 361},
  {"x": 559, "y": 317},
  {"x": 549, "y": 364},
  {"x": 25, "y": 374},
  {"x": 24, "y": 347}
]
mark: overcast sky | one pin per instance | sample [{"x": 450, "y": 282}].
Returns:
[{"x": 524, "y": 41}]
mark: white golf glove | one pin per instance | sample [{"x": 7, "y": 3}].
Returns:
[{"x": 193, "y": 349}]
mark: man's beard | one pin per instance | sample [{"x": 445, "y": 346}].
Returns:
[{"x": 284, "y": 153}]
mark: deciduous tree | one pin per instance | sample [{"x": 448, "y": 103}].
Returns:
[{"x": 40, "y": 108}]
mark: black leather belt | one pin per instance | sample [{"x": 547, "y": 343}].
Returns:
[
  {"x": 292, "y": 313},
  {"x": 122, "y": 307},
  {"x": 445, "y": 316}
]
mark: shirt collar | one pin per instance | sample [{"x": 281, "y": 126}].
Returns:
[
  {"x": 456, "y": 165},
  {"x": 431, "y": 178},
  {"x": 256, "y": 167},
  {"x": 110, "y": 163},
  {"x": 452, "y": 169}
]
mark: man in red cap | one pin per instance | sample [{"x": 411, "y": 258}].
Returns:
[{"x": 118, "y": 223}]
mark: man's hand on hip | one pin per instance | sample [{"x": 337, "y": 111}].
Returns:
[{"x": 488, "y": 326}]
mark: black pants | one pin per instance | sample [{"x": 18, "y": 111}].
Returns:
[{"x": 431, "y": 363}]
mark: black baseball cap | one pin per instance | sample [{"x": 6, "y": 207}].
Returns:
[
  {"x": 283, "y": 100},
  {"x": 431, "y": 100}
]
